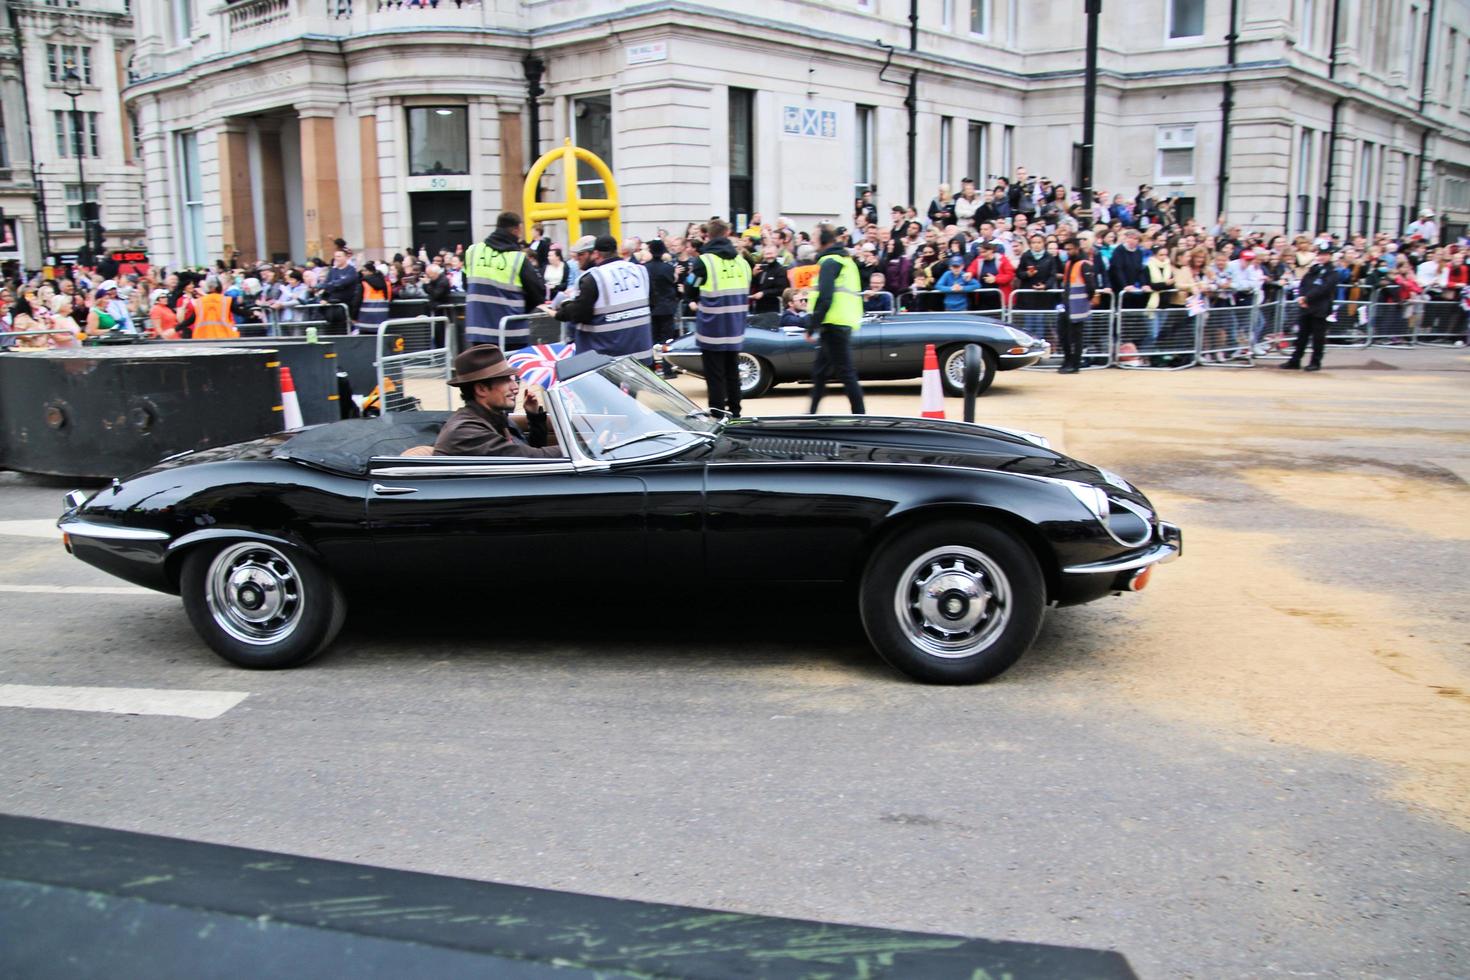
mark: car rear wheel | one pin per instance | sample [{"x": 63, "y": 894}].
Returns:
[
  {"x": 261, "y": 605},
  {"x": 756, "y": 375},
  {"x": 952, "y": 370},
  {"x": 953, "y": 603}
]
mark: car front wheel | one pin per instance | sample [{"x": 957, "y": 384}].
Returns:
[
  {"x": 953, "y": 603},
  {"x": 952, "y": 370},
  {"x": 260, "y": 605}
]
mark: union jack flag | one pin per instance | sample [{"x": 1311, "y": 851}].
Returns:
[{"x": 537, "y": 364}]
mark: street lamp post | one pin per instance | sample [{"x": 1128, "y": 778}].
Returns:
[
  {"x": 1092, "y": 8},
  {"x": 72, "y": 87}
]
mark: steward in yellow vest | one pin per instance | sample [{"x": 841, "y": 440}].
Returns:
[
  {"x": 500, "y": 282},
  {"x": 836, "y": 312}
]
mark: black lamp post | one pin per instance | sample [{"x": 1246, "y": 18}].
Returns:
[{"x": 72, "y": 86}]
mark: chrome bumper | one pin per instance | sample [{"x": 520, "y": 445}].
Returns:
[{"x": 1167, "y": 546}]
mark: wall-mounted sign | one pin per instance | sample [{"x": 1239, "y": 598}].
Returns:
[
  {"x": 9, "y": 239},
  {"x": 648, "y": 52},
  {"x": 811, "y": 123},
  {"x": 440, "y": 182}
]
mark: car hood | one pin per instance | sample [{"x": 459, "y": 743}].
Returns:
[{"x": 932, "y": 442}]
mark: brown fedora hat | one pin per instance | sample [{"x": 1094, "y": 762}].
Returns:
[{"x": 480, "y": 363}]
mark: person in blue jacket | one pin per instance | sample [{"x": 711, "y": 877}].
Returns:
[{"x": 955, "y": 283}]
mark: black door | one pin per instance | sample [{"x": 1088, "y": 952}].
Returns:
[
  {"x": 441, "y": 219},
  {"x": 525, "y": 524}
]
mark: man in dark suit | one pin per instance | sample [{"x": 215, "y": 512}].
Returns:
[{"x": 1314, "y": 296}]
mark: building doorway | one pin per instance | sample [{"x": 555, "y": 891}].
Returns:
[{"x": 441, "y": 220}]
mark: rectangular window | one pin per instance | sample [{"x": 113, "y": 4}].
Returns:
[
  {"x": 1174, "y": 146},
  {"x": 592, "y": 129},
  {"x": 135, "y": 135},
  {"x": 864, "y": 147},
  {"x": 190, "y": 200},
  {"x": 1304, "y": 182},
  {"x": 980, "y": 17},
  {"x": 742, "y": 157},
  {"x": 75, "y": 132},
  {"x": 946, "y": 148},
  {"x": 183, "y": 17},
  {"x": 60, "y": 57},
  {"x": 74, "y": 204},
  {"x": 1365, "y": 187},
  {"x": 979, "y": 155},
  {"x": 1186, "y": 19},
  {"x": 1450, "y": 50},
  {"x": 946, "y": 15},
  {"x": 438, "y": 141}
]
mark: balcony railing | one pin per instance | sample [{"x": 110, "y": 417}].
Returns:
[{"x": 253, "y": 15}]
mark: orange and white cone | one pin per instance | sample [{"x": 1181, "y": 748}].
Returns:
[
  {"x": 933, "y": 392},
  {"x": 290, "y": 404}
]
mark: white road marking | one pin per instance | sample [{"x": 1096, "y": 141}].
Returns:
[
  {"x": 42, "y": 528},
  {"x": 122, "y": 700},
  {"x": 78, "y": 589}
]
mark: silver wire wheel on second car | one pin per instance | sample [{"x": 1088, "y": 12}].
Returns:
[
  {"x": 756, "y": 374},
  {"x": 953, "y": 602},
  {"x": 260, "y": 604}
]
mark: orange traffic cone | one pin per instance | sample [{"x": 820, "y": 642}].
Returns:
[
  {"x": 932, "y": 399},
  {"x": 290, "y": 404}
]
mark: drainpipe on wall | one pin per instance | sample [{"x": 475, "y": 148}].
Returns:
[
  {"x": 911, "y": 103},
  {"x": 1423, "y": 102},
  {"x": 1336, "y": 110},
  {"x": 1093, "y": 9},
  {"x": 1222, "y": 181},
  {"x": 534, "y": 68}
]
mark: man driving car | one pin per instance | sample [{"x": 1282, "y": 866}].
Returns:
[{"x": 489, "y": 385}]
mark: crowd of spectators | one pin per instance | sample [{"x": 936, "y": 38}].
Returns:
[{"x": 974, "y": 249}]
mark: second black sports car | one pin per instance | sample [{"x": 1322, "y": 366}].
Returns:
[{"x": 886, "y": 346}]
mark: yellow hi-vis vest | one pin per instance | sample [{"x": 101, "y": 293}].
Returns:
[{"x": 846, "y": 308}]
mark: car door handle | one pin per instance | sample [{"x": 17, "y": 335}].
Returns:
[{"x": 383, "y": 491}]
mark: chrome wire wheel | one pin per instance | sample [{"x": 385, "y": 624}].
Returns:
[
  {"x": 954, "y": 368},
  {"x": 749, "y": 368},
  {"x": 255, "y": 593},
  {"x": 953, "y": 602}
]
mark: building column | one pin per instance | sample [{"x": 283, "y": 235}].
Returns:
[
  {"x": 320, "y": 204},
  {"x": 372, "y": 188},
  {"x": 237, "y": 211}
]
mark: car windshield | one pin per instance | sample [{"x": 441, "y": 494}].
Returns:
[{"x": 624, "y": 410}]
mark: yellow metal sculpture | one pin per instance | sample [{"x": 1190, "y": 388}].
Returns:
[{"x": 574, "y": 209}]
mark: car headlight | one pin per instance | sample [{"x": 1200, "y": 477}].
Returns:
[
  {"x": 1095, "y": 499},
  {"x": 1021, "y": 337}
]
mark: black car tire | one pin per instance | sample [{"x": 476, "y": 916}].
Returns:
[
  {"x": 226, "y": 587},
  {"x": 952, "y": 370},
  {"x": 758, "y": 370},
  {"x": 976, "y": 578}
]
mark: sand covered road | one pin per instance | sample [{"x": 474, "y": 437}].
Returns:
[{"x": 1327, "y": 528}]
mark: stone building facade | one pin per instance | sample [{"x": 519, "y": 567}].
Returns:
[
  {"x": 271, "y": 127},
  {"x": 40, "y": 183}
]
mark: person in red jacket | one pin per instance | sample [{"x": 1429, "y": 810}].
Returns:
[{"x": 992, "y": 269}]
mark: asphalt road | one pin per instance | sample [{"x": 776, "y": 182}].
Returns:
[{"x": 1232, "y": 775}]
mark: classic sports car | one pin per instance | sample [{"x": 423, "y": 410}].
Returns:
[
  {"x": 886, "y": 346},
  {"x": 958, "y": 535}
]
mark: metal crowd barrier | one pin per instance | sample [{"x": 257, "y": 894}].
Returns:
[
  {"x": 1441, "y": 323},
  {"x": 406, "y": 352},
  {"x": 1164, "y": 338},
  {"x": 987, "y": 300},
  {"x": 1229, "y": 330},
  {"x": 8, "y": 338},
  {"x": 545, "y": 329},
  {"x": 1039, "y": 313}
]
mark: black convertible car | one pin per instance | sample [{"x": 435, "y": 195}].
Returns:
[
  {"x": 959, "y": 536},
  {"x": 886, "y": 346}
]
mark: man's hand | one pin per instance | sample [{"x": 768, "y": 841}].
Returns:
[{"x": 531, "y": 400}]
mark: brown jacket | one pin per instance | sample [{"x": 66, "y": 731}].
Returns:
[{"x": 478, "y": 431}]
